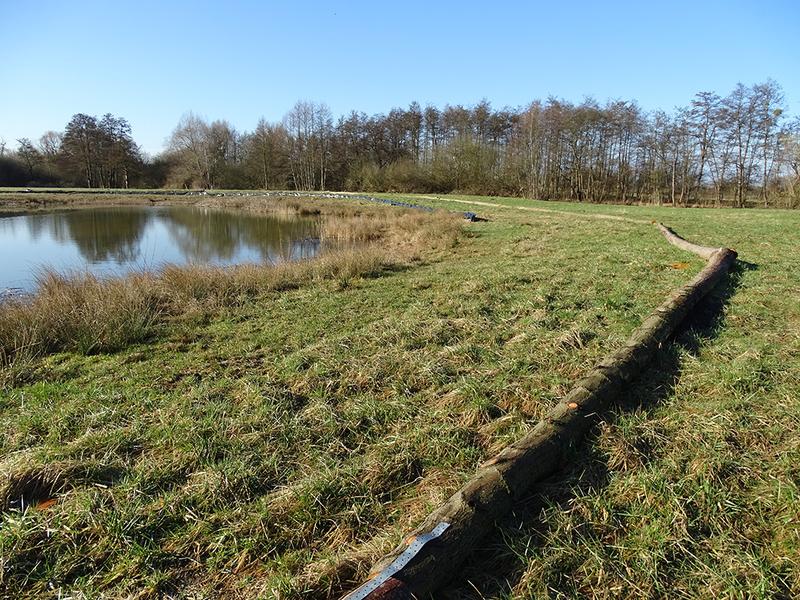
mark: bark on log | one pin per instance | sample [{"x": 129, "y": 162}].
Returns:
[{"x": 473, "y": 510}]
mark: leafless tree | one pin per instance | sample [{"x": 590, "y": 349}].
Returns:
[
  {"x": 768, "y": 100},
  {"x": 266, "y": 154},
  {"x": 309, "y": 126},
  {"x": 190, "y": 142},
  {"x": 702, "y": 122},
  {"x": 50, "y": 149},
  {"x": 733, "y": 149},
  {"x": 29, "y": 155}
]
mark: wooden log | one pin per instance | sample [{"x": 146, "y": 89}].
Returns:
[{"x": 474, "y": 509}]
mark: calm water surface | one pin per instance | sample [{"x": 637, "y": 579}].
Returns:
[{"x": 114, "y": 241}]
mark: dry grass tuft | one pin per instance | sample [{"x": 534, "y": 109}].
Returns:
[
  {"x": 78, "y": 312},
  {"x": 31, "y": 486},
  {"x": 26, "y": 484}
]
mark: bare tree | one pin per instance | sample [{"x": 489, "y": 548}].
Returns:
[
  {"x": 29, "y": 155},
  {"x": 768, "y": 99},
  {"x": 703, "y": 124},
  {"x": 118, "y": 152},
  {"x": 790, "y": 157},
  {"x": 432, "y": 124},
  {"x": 50, "y": 143},
  {"x": 741, "y": 117},
  {"x": 309, "y": 126},
  {"x": 266, "y": 150},
  {"x": 190, "y": 142},
  {"x": 50, "y": 147},
  {"x": 739, "y": 146},
  {"x": 80, "y": 146}
]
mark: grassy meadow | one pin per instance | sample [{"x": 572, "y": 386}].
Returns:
[{"x": 263, "y": 433}]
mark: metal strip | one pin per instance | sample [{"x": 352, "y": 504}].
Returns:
[{"x": 414, "y": 546}]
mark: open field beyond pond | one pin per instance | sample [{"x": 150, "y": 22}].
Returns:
[{"x": 253, "y": 433}]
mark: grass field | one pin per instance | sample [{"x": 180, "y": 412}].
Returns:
[{"x": 274, "y": 446}]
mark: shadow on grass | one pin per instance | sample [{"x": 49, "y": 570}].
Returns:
[{"x": 493, "y": 570}]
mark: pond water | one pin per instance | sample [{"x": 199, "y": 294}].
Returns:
[{"x": 117, "y": 240}]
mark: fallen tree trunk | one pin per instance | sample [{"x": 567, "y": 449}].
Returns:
[{"x": 472, "y": 511}]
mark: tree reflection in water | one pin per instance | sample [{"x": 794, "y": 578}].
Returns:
[
  {"x": 117, "y": 240},
  {"x": 208, "y": 235},
  {"x": 101, "y": 235}
]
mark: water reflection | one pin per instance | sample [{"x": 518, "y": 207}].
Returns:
[
  {"x": 101, "y": 236},
  {"x": 208, "y": 235},
  {"x": 113, "y": 241}
]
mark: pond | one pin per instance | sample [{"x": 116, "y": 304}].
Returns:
[{"x": 117, "y": 240}]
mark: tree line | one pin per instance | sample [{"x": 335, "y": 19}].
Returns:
[
  {"x": 91, "y": 152},
  {"x": 733, "y": 150}
]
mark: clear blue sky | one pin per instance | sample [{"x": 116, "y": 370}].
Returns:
[{"x": 151, "y": 61}]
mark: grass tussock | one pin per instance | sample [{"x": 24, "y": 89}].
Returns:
[
  {"x": 78, "y": 312},
  {"x": 23, "y": 486},
  {"x": 406, "y": 227}
]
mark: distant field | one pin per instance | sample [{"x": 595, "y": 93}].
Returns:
[{"x": 274, "y": 447}]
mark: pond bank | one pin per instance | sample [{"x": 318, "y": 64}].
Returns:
[{"x": 85, "y": 313}]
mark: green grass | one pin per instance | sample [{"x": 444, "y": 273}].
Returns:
[
  {"x": 276, "y": 446},
  {"x": 690, "y": 488}
]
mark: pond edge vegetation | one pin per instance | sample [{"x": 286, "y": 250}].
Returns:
[{"x": 87, "y": 314}]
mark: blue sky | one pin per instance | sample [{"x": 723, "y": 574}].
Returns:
[{"x": 151, "y": 62}]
